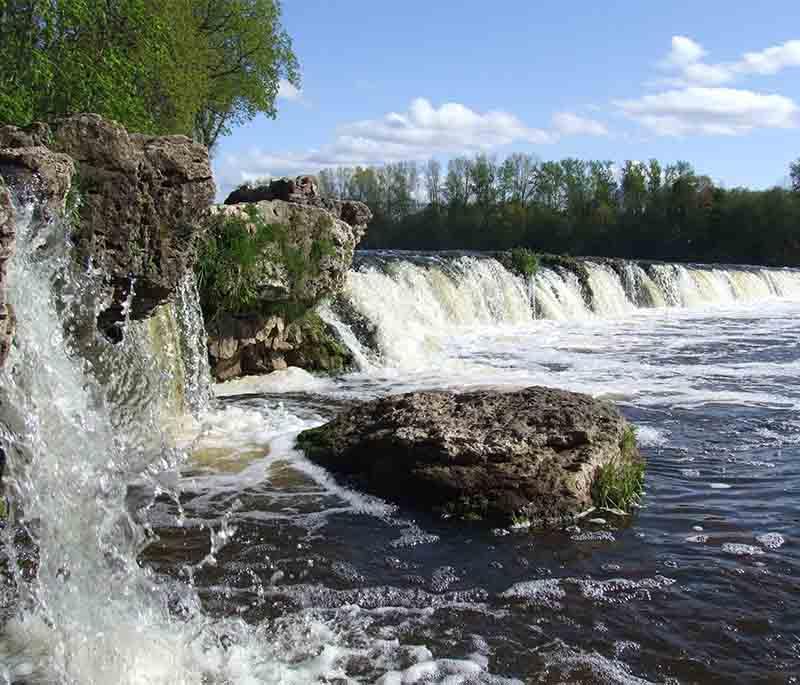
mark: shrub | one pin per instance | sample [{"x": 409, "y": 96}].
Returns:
[
  {"x": 230, "y": 262},
  {"x": 524, "y": 261}
]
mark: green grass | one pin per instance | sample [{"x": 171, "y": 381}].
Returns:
[
  {"x": 233, "y": 255},
  {"x": 619, "y": 485},
  {"x": 524, "y": 261}
]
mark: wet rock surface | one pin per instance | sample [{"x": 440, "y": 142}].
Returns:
[
  {"x": 531, "y": 454},
  {"x": 141, "y": 202},
  {"x": 307, "y": 261}
]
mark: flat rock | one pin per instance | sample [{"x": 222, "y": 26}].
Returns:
[{"x": 531, "y": 454}]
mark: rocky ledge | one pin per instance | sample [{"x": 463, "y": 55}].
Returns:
[
  {"x": 534, "y": 455},
  {"x": 304, "y": 247},
  {"x": 139, "y": 202}
]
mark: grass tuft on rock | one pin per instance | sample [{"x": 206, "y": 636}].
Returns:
[
  {"x": 230, "y": 263},
  {"x": 619, "y": 485},
  {"x": 524, "y": 261}
]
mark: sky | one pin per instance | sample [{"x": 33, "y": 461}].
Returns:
[{"x": 714, "y": 83}]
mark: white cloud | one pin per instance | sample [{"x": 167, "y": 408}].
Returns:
[
  {"x": 684, "y": 51},
  {"x": 288, "y": 91},
  {"x": 685, "y": 61},
  {"x": 711, "y": 111},
  {"x": 571, "y": 124},
  {"x": 771, "y": 60},
  {"x": 425, "y": 129}
]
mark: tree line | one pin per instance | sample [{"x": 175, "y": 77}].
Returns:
[
  {"x": 196, "y": 67},
  {"x": 638, "y": 210}
]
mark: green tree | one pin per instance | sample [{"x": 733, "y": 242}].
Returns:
[
  {"x": 247, "y": 54},
  {"x": 794, "y": 174},
  {"x": 183, "y": 66}
]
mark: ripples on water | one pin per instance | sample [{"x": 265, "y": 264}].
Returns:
[
  {"x": 298, "y": 578},
  {"x": 701, "y": 585}
]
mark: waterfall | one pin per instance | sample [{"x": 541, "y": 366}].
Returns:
[
  {"x": 416, "y": 303},
  {"x": 76, "y": 432}
]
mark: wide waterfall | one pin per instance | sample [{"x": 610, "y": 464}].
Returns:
[{"x": 412, "y": 302}]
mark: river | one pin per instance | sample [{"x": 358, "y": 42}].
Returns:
[{"x": 245, "y": 563}]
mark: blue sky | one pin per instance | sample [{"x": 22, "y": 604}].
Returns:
[{"x": 715, "y": 83}]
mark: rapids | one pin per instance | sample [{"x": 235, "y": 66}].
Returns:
[{"x": 143, "y": 549}]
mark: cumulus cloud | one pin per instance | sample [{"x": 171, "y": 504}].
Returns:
[
  {"x": 685, "y": 61},
  {"x": 772, "y": 60},
  {"x": 571, "y": 124},
  {"x": 711, "y": 111},
  {"x": 422, "y": 131},
  {"x": 449, "y": 128}
]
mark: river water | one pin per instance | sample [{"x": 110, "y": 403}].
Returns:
[{"x": 255, "y": 566}]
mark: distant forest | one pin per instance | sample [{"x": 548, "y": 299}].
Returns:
[{"x": 643, "y": 210}]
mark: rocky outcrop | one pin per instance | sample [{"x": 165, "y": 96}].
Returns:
[
  {"x": 305, "y": 260},
  {"x": 141, "y": 204},
  {"x": 258, "y": 344},
  {"x": 533, "y": 454}
]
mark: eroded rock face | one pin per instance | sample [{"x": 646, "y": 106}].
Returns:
[
  {"x": 532, "y": 454},
  {"x": 307, "y": 262},
  {"x": 143, "y": 200}
]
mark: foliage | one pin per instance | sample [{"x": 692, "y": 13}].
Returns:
[
  {"x": 635, "y": 210},
  {"x": 239, "y": 250},
  {"x": 524, "y": 261},
  {"x": 619, "y": 485},
  {"x": 794, "y": 174},
  {"x": 230, "y": 263},
  {"x": 181, "y": 66}
]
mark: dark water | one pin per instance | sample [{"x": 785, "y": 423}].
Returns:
[{"x": 701, "y": 585}]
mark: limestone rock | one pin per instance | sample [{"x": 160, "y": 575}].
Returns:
[
  {"x": 143, "y": 199},
  {"x": 533, "y": 453}
]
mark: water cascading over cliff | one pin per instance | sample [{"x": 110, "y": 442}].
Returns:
[
  {"x": 406, "y": 304},
  {"x": 77, "y": 430}
]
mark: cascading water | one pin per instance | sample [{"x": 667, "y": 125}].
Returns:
[
  {"x": 87, "y": 612},
  {"x": 415, "y": 304}
]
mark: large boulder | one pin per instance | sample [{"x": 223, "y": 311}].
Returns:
[
  {"x": 533, "y": 454},
  {"x": 142, "y": 204}
]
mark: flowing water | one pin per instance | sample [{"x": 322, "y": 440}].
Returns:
[{"x": 255, "y": 566}]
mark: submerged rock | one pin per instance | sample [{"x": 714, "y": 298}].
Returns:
[{"x": 533, "y": 454}]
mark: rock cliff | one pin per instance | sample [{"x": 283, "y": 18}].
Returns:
[
  {"x": 260, "y": 306},
  {"x": 140, "y": 203}
]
